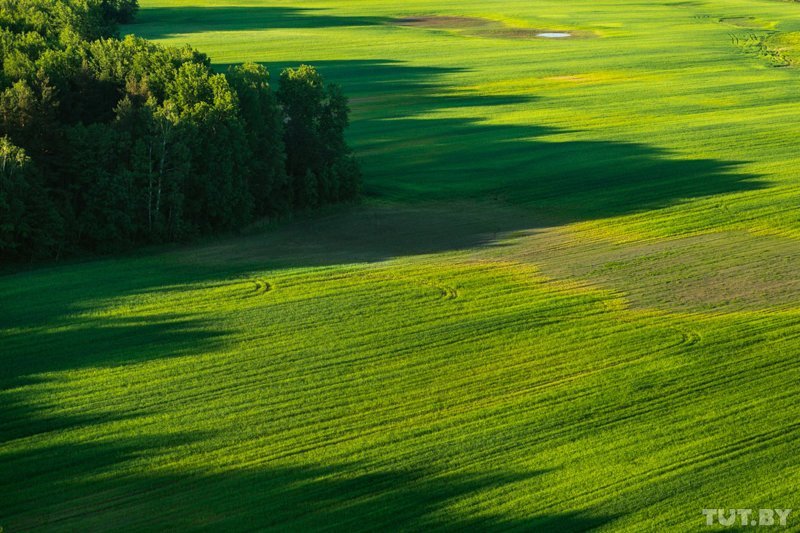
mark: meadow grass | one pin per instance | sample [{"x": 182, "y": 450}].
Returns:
[{"x": 568, "y": 301}]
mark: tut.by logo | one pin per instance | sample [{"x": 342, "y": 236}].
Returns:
[{"x": 747, "y": 517}]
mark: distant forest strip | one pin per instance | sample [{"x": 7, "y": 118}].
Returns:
[{"x": 109, "y": 143}]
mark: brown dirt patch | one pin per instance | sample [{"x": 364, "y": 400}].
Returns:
[
  {"x": 721, "y": 272},
  {"x": 480, "y": 27}
]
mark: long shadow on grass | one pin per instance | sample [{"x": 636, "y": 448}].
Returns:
[
  {"x": 85, "y": 343},
  {"x": 162, "y": 22},
  {"x": 82, "y": 487}
]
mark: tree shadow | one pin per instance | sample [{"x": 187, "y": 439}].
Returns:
[
  {"x": 570, "y": 181},
  {"x": 60, "y": 348},
  {"x": 410, "y": 155},
  {"x": 163, "y": 22},
  {"x": 65, "y": 343},
  {"x": 342, "y": 497}
]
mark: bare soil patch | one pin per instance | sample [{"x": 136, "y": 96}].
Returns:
[
  {"x": 719, "y": 272},
  {"x": 491, "y": 29}
]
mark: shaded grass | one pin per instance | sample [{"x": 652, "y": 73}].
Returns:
[
  {"x": 275, "y": 499},
  {"x": 166, "y": 21}
]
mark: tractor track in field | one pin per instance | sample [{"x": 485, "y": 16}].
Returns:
[
  {"x": 688, "y": 337},
  {"x": 258, "y": 286},
  {"x": 444, "y": 291},
  {"x": 261, "y": 286}
]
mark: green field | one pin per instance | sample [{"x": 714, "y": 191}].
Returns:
[{"x": 570, "y": 298}]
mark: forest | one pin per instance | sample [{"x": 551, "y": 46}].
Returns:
[{"x": 107, "y": 143}]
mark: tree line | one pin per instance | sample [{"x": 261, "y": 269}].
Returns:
[{"x": 109, "y": 143}]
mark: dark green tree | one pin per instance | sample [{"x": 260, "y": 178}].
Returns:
[
  {"x": 319, "y": 160},
  {"x": 263, "y": 126},
  {"x": 29, "y": 223}
]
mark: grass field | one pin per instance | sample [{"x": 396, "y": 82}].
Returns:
[{"x": 570, "y": 299}]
